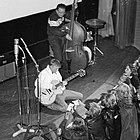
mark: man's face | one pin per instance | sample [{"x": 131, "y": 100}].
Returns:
[
  {"x": 54, "y": 68},
  {"x": 60, "y": 12}
]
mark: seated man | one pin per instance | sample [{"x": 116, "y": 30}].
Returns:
[{"x": 52, "y": 91}]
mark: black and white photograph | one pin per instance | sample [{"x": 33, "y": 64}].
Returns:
[{"x": 70, "y": 70}]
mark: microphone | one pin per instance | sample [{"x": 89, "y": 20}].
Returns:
[{"x": 16, "y": 49}]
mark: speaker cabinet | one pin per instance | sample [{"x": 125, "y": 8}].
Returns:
[{"x": 7, "y": 71}]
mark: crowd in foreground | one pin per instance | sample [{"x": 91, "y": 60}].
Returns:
[{"x": 115, "y": 116}]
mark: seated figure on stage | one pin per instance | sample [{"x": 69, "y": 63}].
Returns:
[{"x": 52, "y": 90}]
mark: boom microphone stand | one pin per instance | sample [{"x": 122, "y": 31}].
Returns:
[
  {"x": 38, "y": 131},
  {"x": 20, "y": 125}
]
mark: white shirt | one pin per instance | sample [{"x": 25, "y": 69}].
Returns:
[{"x": 46, "y": 77}]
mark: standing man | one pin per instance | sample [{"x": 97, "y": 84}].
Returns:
[
  {"x": 57, "y": 35},
  {"x": 52, "y": 95}
]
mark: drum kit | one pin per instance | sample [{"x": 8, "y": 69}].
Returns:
[{"x": 94, "y": 25}]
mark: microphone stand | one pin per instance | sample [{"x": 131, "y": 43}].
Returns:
[
  {"x": 20, "y": 126},
  {"x": 38, "y": 91}
]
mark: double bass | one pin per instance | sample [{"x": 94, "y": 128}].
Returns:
[{"x": 77, "y": 58}]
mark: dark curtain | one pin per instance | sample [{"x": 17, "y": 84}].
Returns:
[{"x": 125, "y": 23}]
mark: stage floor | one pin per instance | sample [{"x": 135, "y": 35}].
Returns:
[{"x": 99, "y": 78}]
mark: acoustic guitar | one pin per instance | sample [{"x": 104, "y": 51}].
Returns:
[{"x": 48, "y": 96}]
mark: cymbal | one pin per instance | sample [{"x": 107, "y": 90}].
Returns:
[{"x": 96, "y": 23}]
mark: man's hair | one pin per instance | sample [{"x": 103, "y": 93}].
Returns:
[
  {"x": 123, "y": 90},
  {"x": 61, "y": 5},
  {"x": 94, "y": 110},
  {"x": 55, "y": 62}
]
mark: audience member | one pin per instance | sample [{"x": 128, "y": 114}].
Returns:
[
  {"x": 132, "y": 73},
  {"x": 73, "y": 126},
  {"x": 95, "y": 122},
  {"x": 111, "y": 116},
  {"x": 129, "y": 122}
]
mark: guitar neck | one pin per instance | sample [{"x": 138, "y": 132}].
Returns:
[
  {"x": 71, "y": 77},
  {"x": 68, "y": 79}
]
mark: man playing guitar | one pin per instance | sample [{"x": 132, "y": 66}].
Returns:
[{"x": 52, "y": 90}]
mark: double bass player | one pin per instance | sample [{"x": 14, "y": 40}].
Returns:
[
  {"x": 66, "y": 37},
  {"x": 57, "y": 35}
]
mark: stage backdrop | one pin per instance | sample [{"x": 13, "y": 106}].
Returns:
[{"x": 12, "y": 9}]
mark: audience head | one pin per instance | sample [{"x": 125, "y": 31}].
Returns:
[
  {"x": 130, "y": 70},
  {"x": 88, "y": 101},
  {"x": 123, "y": 93},
  {"x": 103, "y": 99},
  {"x": 78, "y": 122},
  {"x": 94, "y": 110},
  {"x": 108, "y": 100},
  {"x": 61, "y": 9}
]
